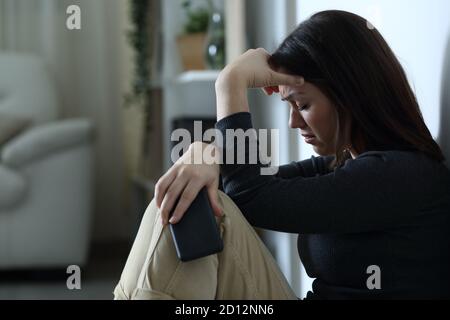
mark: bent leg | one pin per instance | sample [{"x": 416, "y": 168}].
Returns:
[
  {"x": 245, "y": 268},
  {"x": 154, "y": 272}
]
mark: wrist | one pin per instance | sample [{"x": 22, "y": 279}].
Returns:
[
  {"x": 231, "y": 93},
  {"x": 204, "y": 153},
  {"x": 230, "y": 80},
  {"x": 199, "y": 146}
]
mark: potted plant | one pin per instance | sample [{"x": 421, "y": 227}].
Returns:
[
  {"x": 191, "y": 43},
  {"x": 145, "y": 91}
]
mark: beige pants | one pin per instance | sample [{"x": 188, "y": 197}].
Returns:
[{"x": 244, "y": 270}]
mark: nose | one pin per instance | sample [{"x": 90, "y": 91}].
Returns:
[{"x": 296, "y": 120}]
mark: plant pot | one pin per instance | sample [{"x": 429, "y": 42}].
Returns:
[{"x": 191, "y": 47}]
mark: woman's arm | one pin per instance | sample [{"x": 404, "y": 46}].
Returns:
[
  {"x": 372, "y": 192},
  {"x": 315, "y": 166},
  {"x": 368, "y": 193},
  {"x": 250, "y": 70}
]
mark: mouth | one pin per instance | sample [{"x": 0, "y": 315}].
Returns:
[{"x": 310, "y": 139}]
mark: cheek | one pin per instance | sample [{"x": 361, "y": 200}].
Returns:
[
  {"x": 324, "y": 124},
  {"x": 328, "y": 128}
]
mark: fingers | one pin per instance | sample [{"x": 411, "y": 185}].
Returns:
[
  {"x": 171, "y": 197},
  {"x": 213, "y": 196},
  {"x": 278, "y": 78},
  {"x": 189, "y": 194},
  {"x": 286, "y": 79},
  {"x": 162, "y": 185},
  {"x": 271, "y": 90}
]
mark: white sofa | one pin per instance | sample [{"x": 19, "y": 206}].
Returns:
[{"x": 45, "y": 174}]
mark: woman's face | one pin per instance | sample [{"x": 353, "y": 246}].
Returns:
[{"x": 314, "y": 114}]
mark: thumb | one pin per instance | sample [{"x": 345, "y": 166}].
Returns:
[
  {"x": 214, "y": 200},
  {"x": 286, "y": 79}
]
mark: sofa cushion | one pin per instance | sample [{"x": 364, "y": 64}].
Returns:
[
  {"x": 11, "y": 126},
  {"x": 13, "y": 187}
]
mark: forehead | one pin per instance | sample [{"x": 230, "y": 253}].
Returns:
[{"x": 285, "y": 91}]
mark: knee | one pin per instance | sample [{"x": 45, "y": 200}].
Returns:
[
  {"x": 149, "y": 229},
  {"x": 229, "y": 207},
  {"x": 152, "y": 209}
]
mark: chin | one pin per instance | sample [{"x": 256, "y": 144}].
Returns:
[
  {"x": 321, "y": 151},
  {"x": 318, "y": 150}
]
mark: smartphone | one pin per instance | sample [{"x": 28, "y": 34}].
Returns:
[{"x": 197, "y": 234}]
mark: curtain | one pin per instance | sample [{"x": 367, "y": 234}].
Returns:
[{"x": 86, "y": 66}]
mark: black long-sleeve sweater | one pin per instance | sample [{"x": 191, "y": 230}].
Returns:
[{"x": 389, "y": 209}]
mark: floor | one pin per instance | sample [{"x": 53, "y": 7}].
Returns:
[{"x": 98, "y": 278}]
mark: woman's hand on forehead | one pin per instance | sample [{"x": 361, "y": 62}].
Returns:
[{"x": 252, "y": 70}]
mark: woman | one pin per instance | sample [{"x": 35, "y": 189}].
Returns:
[{"x": 372, "y": 212}]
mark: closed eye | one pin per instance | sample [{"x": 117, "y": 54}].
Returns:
[
  {"x": 303, "y": 107},
  {"x": 298, "y": 106}
]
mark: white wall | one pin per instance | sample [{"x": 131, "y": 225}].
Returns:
[{"x": 418, "y": 31}]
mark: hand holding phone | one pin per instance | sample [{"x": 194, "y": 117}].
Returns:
[{"x": 197, "y": 234}]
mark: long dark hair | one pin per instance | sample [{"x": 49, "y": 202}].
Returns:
[{"x": 350, "y": 62}]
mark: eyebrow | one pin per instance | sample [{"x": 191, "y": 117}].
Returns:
[{"x": 289, "y": 97}]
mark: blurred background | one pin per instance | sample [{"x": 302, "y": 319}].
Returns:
[{"x": 90, "y": 91}]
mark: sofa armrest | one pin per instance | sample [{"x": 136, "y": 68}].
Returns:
[
  {"x": 43, "y": 140},
  {"x": 13, "y": 187}
]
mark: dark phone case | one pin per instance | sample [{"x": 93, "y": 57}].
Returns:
[{"x": 197, "y": 234}]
